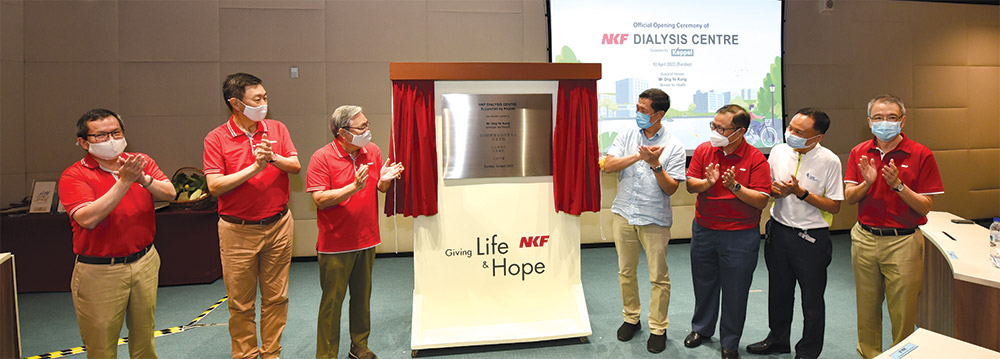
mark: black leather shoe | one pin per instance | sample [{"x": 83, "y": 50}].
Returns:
[
  {"x": 656, "y": 343},
  {"x": 767, "y": 346},
  {"x": 694, "y": 339},
  {"x": 730, "y": 353},
  {"x": 627, "y": 330}
]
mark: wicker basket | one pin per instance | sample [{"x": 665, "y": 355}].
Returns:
[{"x": 205, "y": 202}]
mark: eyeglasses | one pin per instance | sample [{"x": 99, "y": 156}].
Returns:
[
  {"x": 892, "y": 118},
  {"x": 362, "y": 128},
  {"x": 720, "y": 129},
  {"x": 101, "y": 137}
]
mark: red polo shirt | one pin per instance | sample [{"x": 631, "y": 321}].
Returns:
[
  {"x": 882, "y": 207},
  {"x": 718, "y": 208},
  {"x": 352, "y": 224},
  {"x": 228, "y": 150},
  {"x": 128, "y": 228}
]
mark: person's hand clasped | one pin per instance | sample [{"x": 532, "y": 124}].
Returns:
[
  {"x": 650, "y": 154},
  {"x": 262, "y": 153},
  {"x": 130, "y": 170},
  {"x": 780, "y": 188},
  {"x": 792, "y": 186}
]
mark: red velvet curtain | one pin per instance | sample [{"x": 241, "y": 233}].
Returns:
[
  {"x": 575, "y": 173},
  {"x": 413, "y": 144}
]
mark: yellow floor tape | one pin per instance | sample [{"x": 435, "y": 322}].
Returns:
[{"x": 158, "y": 333}]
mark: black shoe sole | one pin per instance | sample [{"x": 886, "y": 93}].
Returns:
[{"x": 769, "y": 351}]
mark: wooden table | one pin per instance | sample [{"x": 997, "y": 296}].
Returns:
[
  {"x": 187, "y": 241},
  {"x": 961, "y": 292}
]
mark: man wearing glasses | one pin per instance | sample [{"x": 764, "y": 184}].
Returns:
[
  {"x": 733, "y": 181},
  {"x": 893, "y": 180},
  {"x": 247, "y": 161},
  {"x": 109, "y": 196},
  {"x": 342, "y": 181},
  {"x": 650, "y": 165},
  {"x": 807, "y": 186}
]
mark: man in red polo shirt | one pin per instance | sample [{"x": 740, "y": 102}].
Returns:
[
  {"x": 247, "y": 162},
  {"x": 893, "y": 180},
  {"x": 347, "y": 216},
  {"x": 733, "y": 183},
  {"x": 109, "y": 195}
]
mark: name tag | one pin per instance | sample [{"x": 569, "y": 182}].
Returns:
[{"x": 906, "y": 349}]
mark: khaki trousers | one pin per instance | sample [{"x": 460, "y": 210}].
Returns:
[
  {"x": 337, "y": 273},
  {"x": 250, "y": 254},
  {"x": 106, "y": 294},
  {"x": 653, "y": 239},
  {"x": 886, "y": 267}
]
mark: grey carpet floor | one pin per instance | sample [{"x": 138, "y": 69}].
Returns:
[{"x": 48, "y": 322}]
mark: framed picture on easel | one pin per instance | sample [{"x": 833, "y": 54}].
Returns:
[{"x": 42, "y": 195}]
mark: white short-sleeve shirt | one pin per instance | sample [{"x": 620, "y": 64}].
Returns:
[{"x": 818, "y": 171}]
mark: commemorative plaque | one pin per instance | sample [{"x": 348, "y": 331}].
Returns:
[{"x": 497, "y": 135}]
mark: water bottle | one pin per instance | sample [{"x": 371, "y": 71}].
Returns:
[
  {"x": 995, "y": 232},
  {"x": 995, "y": 242}
]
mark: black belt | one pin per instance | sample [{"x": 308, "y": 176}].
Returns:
[
  {"x": 263, "y": 221},
  {"x": 114, "y": 260},
  {"x": 887, "y": 231}
]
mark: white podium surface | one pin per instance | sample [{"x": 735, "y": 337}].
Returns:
[
  {"x": 925, "y": 344},
  {"x": 966, "y": 250},
  {"x": 497, "y": 264}
]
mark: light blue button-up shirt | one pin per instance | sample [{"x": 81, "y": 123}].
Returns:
[{"x": 640, "y": 199}]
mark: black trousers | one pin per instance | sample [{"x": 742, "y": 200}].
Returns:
[{"x": 791, "y": 257}]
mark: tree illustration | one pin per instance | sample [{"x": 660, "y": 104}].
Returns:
[
  {"x": 773, "y": 77},
  {"x": 605, "y": 139},
  {"x": 566, "y": 55}
]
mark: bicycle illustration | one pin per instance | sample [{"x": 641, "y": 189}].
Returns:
[{"x": 762, "y": 132}]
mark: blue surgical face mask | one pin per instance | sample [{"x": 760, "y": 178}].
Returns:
[
  {"x": 797, "y": 142},
  {"x": 642, "y": 120},
  {"x": 886, "y": 130}
]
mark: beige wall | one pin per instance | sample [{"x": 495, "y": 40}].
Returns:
[{"x": 160, "y": 64}]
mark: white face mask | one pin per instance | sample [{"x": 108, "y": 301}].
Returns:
[
  {"x": 719, "y": 140},
  {"x": 108, "y": 150},
  {"x": 255, "y": 114},
  {"x": 362, "y": 139}
]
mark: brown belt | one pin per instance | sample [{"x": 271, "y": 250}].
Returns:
[
  {"x": 262, "y": 222},
  {"x": 887, "y": 231}
]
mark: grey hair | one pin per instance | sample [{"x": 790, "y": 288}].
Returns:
[
  {"x": 341, "y": 117},
  {"x": 887, "y": 98}
]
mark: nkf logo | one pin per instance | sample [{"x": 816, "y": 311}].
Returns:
[
  {"x": 614, "y": 39},
  {"x": 533, "y": 241}
]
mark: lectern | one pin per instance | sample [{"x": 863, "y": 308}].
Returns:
[{"x": 501, "y": 160}]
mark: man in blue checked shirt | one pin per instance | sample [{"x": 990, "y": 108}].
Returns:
[{"x": 650, "y": 166}]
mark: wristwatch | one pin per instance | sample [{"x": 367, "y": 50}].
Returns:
[
  {"x": 804, "y": 195},
  {"x": 899, "y": 187},
  {"x": 736, "y": 188},
  {"x": 657, "y": 168}
]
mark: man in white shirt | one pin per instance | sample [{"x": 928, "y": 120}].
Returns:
[
  {"x": 807, "y": 187},
  {"x": 650, "y": 166}
]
